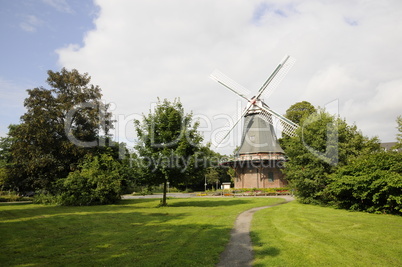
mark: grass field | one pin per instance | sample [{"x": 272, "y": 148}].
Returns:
[
  {"x": 190, "y": 232},
  {"x": 303, "y": 235},
  {"x": 193, "y": 232}
]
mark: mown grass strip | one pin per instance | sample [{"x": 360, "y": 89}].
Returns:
[{"x": 305, "y": 235}]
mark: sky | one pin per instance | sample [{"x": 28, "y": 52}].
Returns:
[{"x": 347, "y": 55}]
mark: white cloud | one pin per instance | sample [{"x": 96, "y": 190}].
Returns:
[
  {"x": 31, "y": 23},
  {"x": 59, "y": 5},
  {"x": 141, "y": 50}
]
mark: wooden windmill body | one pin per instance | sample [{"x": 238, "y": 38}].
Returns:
[{"x": 259, "y": 160}]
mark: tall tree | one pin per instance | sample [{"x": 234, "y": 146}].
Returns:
[
  {"x": 399, "y": 135},
  {"x": 169, "y": 145},
  {"x": 5, "y": 146},
  {"x": 5, "y": 159},
  {"x": 61, "y": 125},
  {"x": 212, "y": 176},
  {"x": 323, "y": 143},
  {"x": 300, "y": 111},
  {"x": 297, "y": 113}
]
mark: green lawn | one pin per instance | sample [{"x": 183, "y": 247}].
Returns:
[
  {"x": 193, "y": 232},
  {"x": 190, "y": 232},
  {"x": 304, "y": 235}
]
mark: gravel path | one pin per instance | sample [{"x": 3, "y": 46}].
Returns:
[{"x": 239, "y": 251}]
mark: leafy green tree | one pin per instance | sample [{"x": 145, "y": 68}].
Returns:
[
  {"x": 300, "y": 111},
  {"x": 5, "y": 158},
  {"x": 212, "y": 176},
  {"x": 5, "y": 154},
  {"x": 97, "y": 181},
  {"x": 297, "y": 113},
  {"x": 130, "y": 172},
  {"x": 323, "y": 143},
  {"x": 217, "y": 175},
  {"x": 169, "y": 145},
  {"x": 372, "y": 182},
  {"x": 61, "y": 125},
  {"x": 231, "y": 172},
  {"x": 399, "y": 135}
]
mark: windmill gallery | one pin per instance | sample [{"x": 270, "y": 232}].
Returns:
[{"x": 259, "y": 159}]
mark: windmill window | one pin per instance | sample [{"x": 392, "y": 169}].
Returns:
[
  {"x": 270, "y": 176},
  {"x": 252, "y": 137}
]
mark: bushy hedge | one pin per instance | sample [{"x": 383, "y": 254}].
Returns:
[
  {"x": 371, "y": 183},
  {"x": 324, "y": 142},
  {"x": 332, "y": 163},
  {"x": 98, "y": 181}
]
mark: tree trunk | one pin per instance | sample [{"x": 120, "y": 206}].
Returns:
[{"x": 164, "y": 193}]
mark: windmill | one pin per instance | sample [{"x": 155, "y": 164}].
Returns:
[{"x": 260, "y": 156}]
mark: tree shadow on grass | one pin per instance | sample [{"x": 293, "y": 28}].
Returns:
[
  {"x": 270, "y": 251},
  {"x": 18, "y": 203},
  {"x": 262, "y": 250},
  {"x": 112, "y": 239},
  {"x": 137, "y": 201},
  {"x": 207, "y": 203},
  {"x": 26, "y": 211}
]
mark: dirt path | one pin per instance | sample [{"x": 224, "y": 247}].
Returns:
[{"x": 239, "y": 250}]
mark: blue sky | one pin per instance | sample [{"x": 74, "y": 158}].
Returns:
[
  {"x": 31, "y": 32},
  {"x": 348, "y": 56}
]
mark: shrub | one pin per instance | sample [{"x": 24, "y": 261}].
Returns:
[
  {"x": 146, "y": 190},
  {"x": 98, "y": 181},
  {"x": 10, "y": 196},
  {"x": 371, "y": 183},
  {"x": 46, "y": 198}
]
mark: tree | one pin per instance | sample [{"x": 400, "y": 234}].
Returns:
[
  {"x": 169, "y": 145},
  {"x": 371, "y": 182},
  {"x": 5, "y": 155},
  {"x": 5, "y": 158},
  {"x": 97, "y": 181},
  {"x": 297, "y": 113},
  {"x": 217, "y": 175},
  {"x": 212, "y": 176},
  {"x": 399, "y": 135},
  {"x": 300, "y": 111},
  {"x": 323, "y": 144},
  {"x": 61, "y": 125}
]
